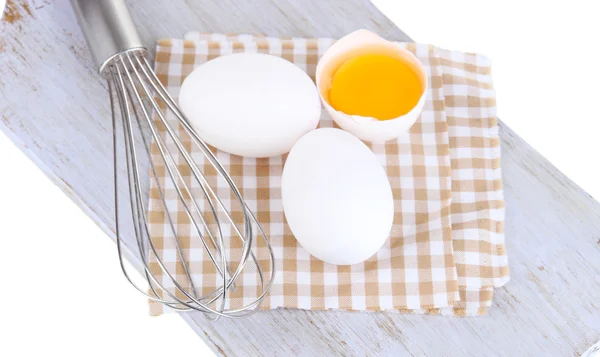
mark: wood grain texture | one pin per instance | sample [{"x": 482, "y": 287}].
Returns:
[{"x": 55, "y": 108}]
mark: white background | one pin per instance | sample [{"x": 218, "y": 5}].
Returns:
[{"x": 62, "y": 290}]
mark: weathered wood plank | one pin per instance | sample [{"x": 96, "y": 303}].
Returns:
[{"x": 55, "y": 108}]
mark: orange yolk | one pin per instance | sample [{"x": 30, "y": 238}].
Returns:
[{"x": 376, "y": 86}]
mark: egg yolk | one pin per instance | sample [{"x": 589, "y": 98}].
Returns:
[{"x": 376, "y": 86}]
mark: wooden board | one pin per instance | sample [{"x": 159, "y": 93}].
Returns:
[{"x": 55, "y": 108}]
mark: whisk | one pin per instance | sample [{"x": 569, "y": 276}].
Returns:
[{"x": 139, "y": 105}]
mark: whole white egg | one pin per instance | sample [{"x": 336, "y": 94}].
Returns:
[
  {"x": 250, "y": 104},
  {"x": 336, "y": 197}
]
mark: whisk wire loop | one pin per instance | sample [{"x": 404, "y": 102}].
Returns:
[{"x": 144, "y": 106}]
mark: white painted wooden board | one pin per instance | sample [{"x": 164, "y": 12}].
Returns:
[{"x": 55, "y": 108}]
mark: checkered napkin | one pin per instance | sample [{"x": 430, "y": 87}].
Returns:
[{"x": 446, "y": 251}]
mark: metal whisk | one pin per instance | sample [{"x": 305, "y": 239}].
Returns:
[{"x": 139, "y": 103}]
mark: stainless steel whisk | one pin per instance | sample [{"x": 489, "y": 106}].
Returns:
[{"x": 141, "y": 102}]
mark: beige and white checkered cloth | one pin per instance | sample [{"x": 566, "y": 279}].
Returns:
[{"x": 446, "y": 250}]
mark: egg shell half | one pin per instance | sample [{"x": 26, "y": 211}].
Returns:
[
  {"x": 336, "y": 197},
  {"x": 250, "y": 104},
  {"x": 358, "y": 43}
]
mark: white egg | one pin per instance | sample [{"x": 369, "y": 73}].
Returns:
[
  {"x": 336, "y": 197},
  {"x": 359, "y": 43},
  {"x": 250, "y": 104}
]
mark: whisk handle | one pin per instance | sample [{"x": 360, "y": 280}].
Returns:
[{"x": 108, "y": 28}]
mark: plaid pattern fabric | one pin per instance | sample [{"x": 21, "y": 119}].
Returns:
[{"x": 445, "y": 253}]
